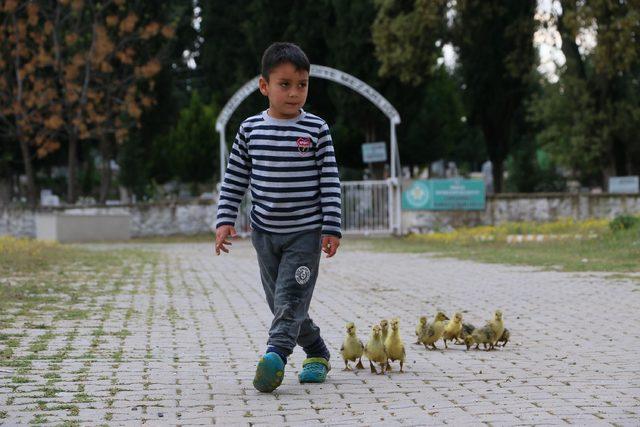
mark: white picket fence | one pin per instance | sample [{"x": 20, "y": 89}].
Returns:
[{"x": 367, "y": 208}]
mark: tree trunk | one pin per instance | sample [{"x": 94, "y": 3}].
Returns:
[
  {"x": 105, "y": 169},
  {"x": 574, "y": 61},
  {"x": 32, "y": 196},
  {"x": 72, "y": 169},
  {"x": 629, "y": 156},
  {"x": 497, "y": 171},
  {"x": 5, "y": 190},
  {"x": 6, "y": 182},
  {"x": 619, "y": 153}
]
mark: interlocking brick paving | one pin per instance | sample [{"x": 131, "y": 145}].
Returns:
[{"x": 175, "y": 342}]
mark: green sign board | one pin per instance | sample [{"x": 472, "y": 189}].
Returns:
[{"x": 444, "y": 195}]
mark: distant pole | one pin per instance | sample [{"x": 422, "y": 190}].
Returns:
[
  {"x": 393, "y": 149},
  {"x": 395, "y": 166},
  {"x": 223, "y": 149}
]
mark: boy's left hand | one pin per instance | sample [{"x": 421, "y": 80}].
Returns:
[{"x": 330, "y": 245}]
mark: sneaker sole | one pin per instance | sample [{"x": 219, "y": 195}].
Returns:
[{"x": 268, "y": 376}]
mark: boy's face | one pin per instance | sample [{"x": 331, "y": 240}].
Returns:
[{"x": 286, "y": 89}]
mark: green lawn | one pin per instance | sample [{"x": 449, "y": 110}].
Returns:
[
  {"x": 612, "y": 251},
  {"x": 47, "y": 276},
  {"x": 599, "y": 249}
]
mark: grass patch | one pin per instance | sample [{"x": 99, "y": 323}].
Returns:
[
  {"x": 6, "y": 353},
  {"x": 50, "y": 391},
  {"x": 16, "y": 363},
  {"x": 82, "y": 398},
  {"x": 12, "y": 342},
  {"x": 41, "y": 343},
  {"x": 58, "y": 282},
  {"x": 8, "y": 338},
  {"x": 123, "y": 333},
  {"x": 39, "y": 419},
  {"x": 564, "y": 227},
  {"x": 614, "y": 251},
  {"x": 172, "y": 314},
  {"x": 49, "y": 272},
  {"x": 72, "y": 315},
  {"x": 195, "y": 238},
  {"x": 17, "y": 255},
  {"x": 62, "y": 407},
  {"x": 30, "y": 325}
]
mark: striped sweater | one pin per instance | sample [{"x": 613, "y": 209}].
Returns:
[{"x": 291, "y": 168}]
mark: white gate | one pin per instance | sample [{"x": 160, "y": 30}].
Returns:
[{"x": 367, "y": 208}]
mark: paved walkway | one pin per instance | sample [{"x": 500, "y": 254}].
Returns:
[{"x": 179, "y": 342}]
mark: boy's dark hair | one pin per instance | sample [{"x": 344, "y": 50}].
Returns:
[{"x": 280, "y": 53}]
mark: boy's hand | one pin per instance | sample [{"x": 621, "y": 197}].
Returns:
[
  {"x": 330, "y": 245},
  {"x": 222, "y": 234}
]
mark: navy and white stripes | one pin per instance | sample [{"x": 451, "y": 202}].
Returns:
[{"x": 291, "y": 169}]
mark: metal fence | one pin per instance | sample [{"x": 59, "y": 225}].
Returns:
[{"x": 367, "y": 208}]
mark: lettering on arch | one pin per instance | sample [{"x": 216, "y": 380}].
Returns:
[{"x": 322, "y": 72}]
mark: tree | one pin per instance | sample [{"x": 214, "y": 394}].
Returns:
[
  {"x": 234, "y": 42},
  {"x": 142, "y": 158},
  {"x": 407, "y": 36},
  {"x": 10, "y": 166},
  {"x": 192, "y": 143},
  {"x": 431, "y": 107},
  {"x": 104, "y": 75},
  {"x": 349, "y": 47},
  {"x": 226, "y": 60},
  {"x": 589, "y": 118},
  {"x": 29, "y": 111},
  {"x": 568, "y": 127},
  {"x": 337, "y": 33},
  {"x": 128, "y": 80},
  {"x": 494, "y": 40},
  {"x": 494, "y": 43},
  {"x": 77, "y": 71}
]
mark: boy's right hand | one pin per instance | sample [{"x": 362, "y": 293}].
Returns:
[{"x": 222, "y": 234}]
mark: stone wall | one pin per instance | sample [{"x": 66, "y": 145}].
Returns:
[
  {"x": 198, "y": 217},
  {"x": 538, "y": 207},
  {"x": 162, "y": 219}
]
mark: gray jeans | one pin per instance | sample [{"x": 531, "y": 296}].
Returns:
[{"x": 288, "y": 269}]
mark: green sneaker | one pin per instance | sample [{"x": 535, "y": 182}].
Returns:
[
  {"x": 314, "y": 370},
  {"x": 269, "y": 373}
]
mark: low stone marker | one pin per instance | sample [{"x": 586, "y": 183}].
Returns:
[{"x": 80, "y": 225}]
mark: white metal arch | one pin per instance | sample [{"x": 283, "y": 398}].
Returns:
[{"x": 344, "y": 79}]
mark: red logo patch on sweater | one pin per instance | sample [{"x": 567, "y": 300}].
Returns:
[{"x": 303, "y": 145}]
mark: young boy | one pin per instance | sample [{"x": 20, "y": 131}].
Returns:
[{"x": 286, "y": 155}]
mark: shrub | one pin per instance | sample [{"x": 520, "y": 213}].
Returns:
[{"x": 623, "y": 222}]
